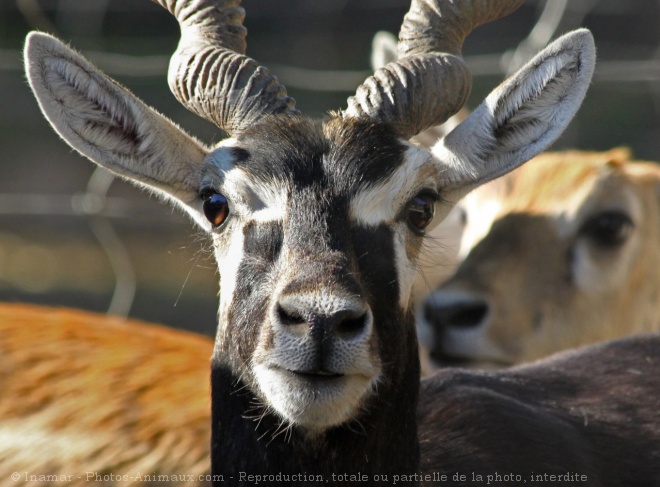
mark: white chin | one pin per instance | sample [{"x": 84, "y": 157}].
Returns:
[{"x": 315, "y": 404}]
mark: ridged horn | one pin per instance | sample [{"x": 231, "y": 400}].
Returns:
[
  {"x": 430, "y": 81},
  {"x": 209, "y": 72}
]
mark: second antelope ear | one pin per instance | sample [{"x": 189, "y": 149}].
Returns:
[
  {"x": 108, "y": 124},
  {"x": 522, "y": 117},
  {"x": 383, "y": 49}
]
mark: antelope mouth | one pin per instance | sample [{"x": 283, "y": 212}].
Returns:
[
  {"x": 316, "y": 399},
  {"x": 470, "y": 348},
  {"x": 315, "y": 375}
]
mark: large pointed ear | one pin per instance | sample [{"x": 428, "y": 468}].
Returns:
[
  {"x": 383, "y": 49},
  {"x": 522, "y": 117},
  {"x": 108, "y": 124}
]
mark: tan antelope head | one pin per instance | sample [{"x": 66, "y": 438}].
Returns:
[
  {"x": 562, "y": 252},
  {"x": 316, "y": 224}
]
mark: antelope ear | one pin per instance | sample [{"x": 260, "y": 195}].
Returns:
[
  {"x": 522, "y": 117},
  {"x": 383, "y": 49},
  {"x": 109, "y": 125}
]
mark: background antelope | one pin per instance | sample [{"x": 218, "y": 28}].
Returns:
[
  {"x": 317, "y": 225},
  {"x": 560, "y": 253}
]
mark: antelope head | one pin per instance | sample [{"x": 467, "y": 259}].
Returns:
[{"x": 316, "y": 225}]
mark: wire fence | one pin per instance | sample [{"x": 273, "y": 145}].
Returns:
[
  {"x": 99, "y": 210},
  {"x": 556, "y": 16}
]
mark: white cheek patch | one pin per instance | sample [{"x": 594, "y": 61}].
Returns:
[
  {"x": 381, "y": 202},
  {"x": 255, "y": 200},
  {"x": 406, "y": 271},
  {"x": 229, "y": 262}
]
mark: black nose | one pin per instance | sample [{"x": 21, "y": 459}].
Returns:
[
  {"x": 459, "y": 314},
  {"x": 346, "y": 319}
]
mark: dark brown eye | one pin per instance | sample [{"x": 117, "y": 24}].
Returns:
[
  {"x": 216, "y": 207},
  {"x": 420, "y": 212},
  {"x": 608, "y": 229}
]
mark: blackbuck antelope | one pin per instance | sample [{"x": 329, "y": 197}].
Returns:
[
  {"x": 560, "y": 253},
  {"x": 317, "y": 226},
  {"x": 88, "y": 399}
]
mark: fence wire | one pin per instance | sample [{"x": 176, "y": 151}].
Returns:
[{"x": 98, "y": 210}]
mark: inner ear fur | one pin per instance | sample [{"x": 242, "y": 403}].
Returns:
[
  {"x": 521, "y": 117},
  {"x": 108, "y": 124}
]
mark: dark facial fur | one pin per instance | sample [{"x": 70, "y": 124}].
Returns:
[{"x": 315, "y": 247}]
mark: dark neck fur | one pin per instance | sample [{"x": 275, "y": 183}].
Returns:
[{"x": 382, "y": 442}]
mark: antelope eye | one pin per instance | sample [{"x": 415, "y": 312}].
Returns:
[
  {"x": 608, "y": 229},
  {"x": 420, "y": 212},
  {"x": 216, "y": 207}
]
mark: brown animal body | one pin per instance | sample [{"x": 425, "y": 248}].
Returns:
[
  {"x": 583, "y": 417},
  {"x": 560, "y": 253},
  {"x": 91, "y": 398}
]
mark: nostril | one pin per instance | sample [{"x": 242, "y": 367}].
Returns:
[
  {"x": 350, "y": 326},
  {"x": 456, "y": 315},
  {"x": 290, "y": 316},
  {"x": 321, "y": 317},
  {"x": 468, "y": 316}
]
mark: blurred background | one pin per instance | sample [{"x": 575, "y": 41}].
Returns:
[{"x": 74, "y": 237}]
